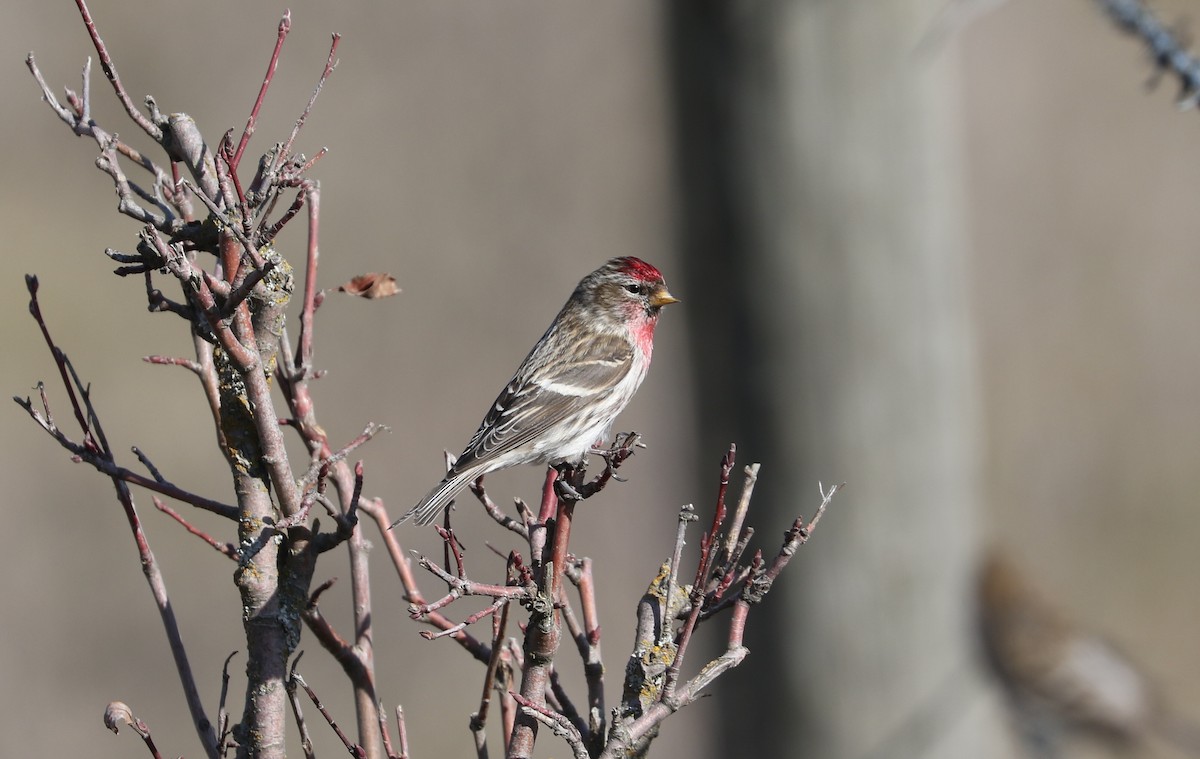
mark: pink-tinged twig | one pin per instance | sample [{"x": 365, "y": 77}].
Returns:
[
  {"x": 99, "y": 449},
  {"x": 107, "y": 466},
  {"x": 312, "y": 161},
  {"x": 232, "y": 196},
  {"x": 479, "y": 718},
  {"x": 384, "y": 733},
  {"x": 248, "y": 246},
  {"x": 353, "y": 748},
  {"x": 549, "y": 499},
  {"x": 524, "y": 512},
  {"x": 633, "y": 731},
  {"x": 330, "y": 65},
  {"x": 494, "y": 607},
  {"x": 561, "y": 726},
  {"x": 558, "y": 700},
  {"x": 285, "y": 25},
  {"x": 707, "y": 543},
  {"x": 82, "y": 453},
  {"x": 687, "y": 514},
  {"x": 543, "y": 633},
  {"x": 795, "y": 537},
  {"x": 412, "y": 592},
  {"x": 155, "y": 300},
  {"x": 453, "y": 548},
  {"x": 304, "y": 355},
  {"x": 197, "y": 287},
  {"x": 222, "y": 712},
  {"x": 511, "y": 660},
  {"x": 60, "y": 360},
  {"x": 627, "y": 737},
  {"x": 315, "y": 492},
  {"x": 228, "y": 549},
  {"x": 462, "y": 586},
  {"x": 504, "y": 520},
  {"x": 366, "y": 701},
  {"x": 343, "y": 652},
  {"x": 307, "y": 188},
  {"x": 589, "y": 650},
  {"x": 192, "y": 366},
  {"x": 306, "y": 744},
  {"x": 324, "y": 463},
  {"x": 110, "y": 71},
  {"x": 562, "y": 537},
  {"x": 78, "y": 118},
  {"x": 401, "y": 732},
  {"x": 725, "y": 570},
  {"x": 293, "y": 373},
  {"x": 739, "y": 514}
]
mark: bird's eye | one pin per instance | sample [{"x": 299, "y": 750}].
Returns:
[{"x": 636, "y": 289}]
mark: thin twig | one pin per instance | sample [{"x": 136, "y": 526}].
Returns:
[
  {"x": 561, "y": 726},
  {"x": 228, "y": 549},
  {"x": 353, "y": 748},
  {"x": 100, "y": 449},
  {"x": 285, "y": 25},
  {"x": 222, "y": 712},
  {"x": 110, "y": 71},
  {"x": 306, "y": 744}
]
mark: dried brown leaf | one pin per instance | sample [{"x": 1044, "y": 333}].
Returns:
[
  {"x": 115, "y": 714},
  {"x": 371, "y": 285}
]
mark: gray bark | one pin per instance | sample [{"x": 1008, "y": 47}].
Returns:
[{"x": 822, "y": 225}]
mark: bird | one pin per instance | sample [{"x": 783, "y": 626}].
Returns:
[
  {"x": 1061, "y": 679},
  {"x": 579, "y": 376}
]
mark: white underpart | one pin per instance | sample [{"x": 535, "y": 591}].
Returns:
[{"x": 1098, "y": 681}]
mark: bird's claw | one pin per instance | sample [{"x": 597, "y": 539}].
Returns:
[
  {"x": 620, "y": 450},
  {"x": 565, "y": 490}
]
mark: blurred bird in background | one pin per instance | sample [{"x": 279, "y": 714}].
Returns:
[{"x": 1062, "y": 681}]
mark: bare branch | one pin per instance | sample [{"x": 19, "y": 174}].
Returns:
[
  {"x": 561, "y": 726},
  {"x": 285, "y": 25},
  {"x": 353, "y": 748},
  {"x": 110, "y": 71},
  {"x": 228, "y": 549},
  {"x": 306, "y": 743}
]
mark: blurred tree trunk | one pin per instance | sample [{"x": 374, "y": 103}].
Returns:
[{"x": 822, "y": 229}]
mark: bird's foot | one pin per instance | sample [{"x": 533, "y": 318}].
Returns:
[
  {"x": 569, "y": 481},
  {"x": 621, "y": 449},
  {"x": 566, "y": 491}
]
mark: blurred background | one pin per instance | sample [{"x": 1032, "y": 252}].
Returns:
[{"x": 956, "y": 270}]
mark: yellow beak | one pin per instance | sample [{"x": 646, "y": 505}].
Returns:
[{"x": 662, "y": 297}]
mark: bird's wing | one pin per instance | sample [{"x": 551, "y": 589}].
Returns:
[{"x": 546, "y": 392}]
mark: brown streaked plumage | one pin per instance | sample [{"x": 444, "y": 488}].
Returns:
[{"x": 567, "y": 392}]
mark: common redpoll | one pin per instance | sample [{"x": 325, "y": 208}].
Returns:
[
  {"x": 1061, "y": 680},
  {"x": 564, "y": 397}
]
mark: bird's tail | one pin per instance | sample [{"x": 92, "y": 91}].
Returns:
[{"x": 436, "y": 500}]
